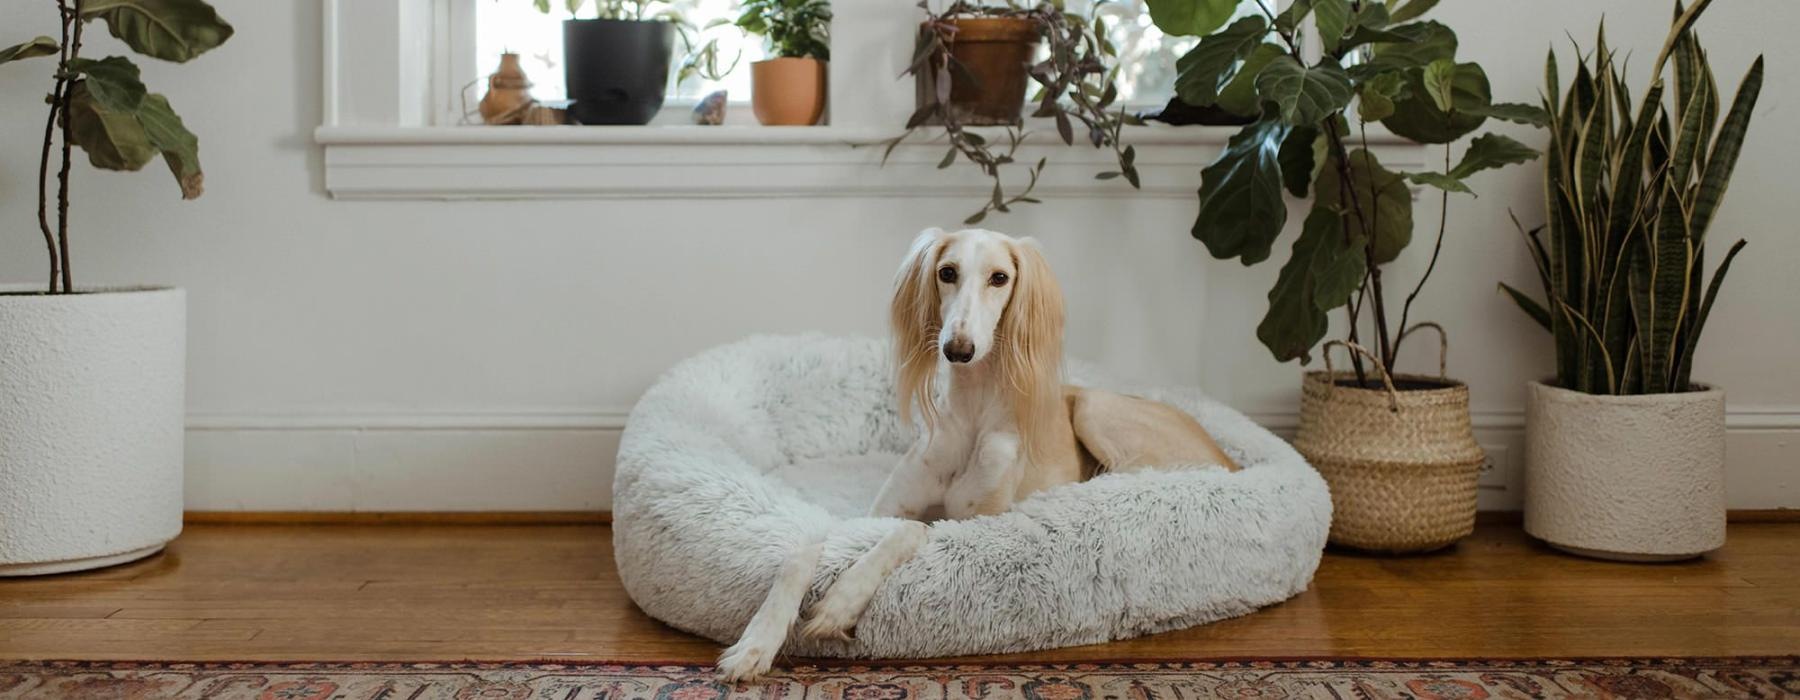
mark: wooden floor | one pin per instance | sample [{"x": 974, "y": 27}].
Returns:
[{"x": 394, "y": 592}]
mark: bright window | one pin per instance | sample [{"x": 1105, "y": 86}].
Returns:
[
  {"x": 1147, "y": 76},
  {"x": 517, "y": 26}
]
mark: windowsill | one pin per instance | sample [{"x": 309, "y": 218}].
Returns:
[{"x": 688, "y": 161}]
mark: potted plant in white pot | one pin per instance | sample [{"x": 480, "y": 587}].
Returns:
[
  {"x": 1398, "y": 450},
  {"x": 1625, "y": 454},
  {"x": 789, "y": 88},
  {"x": 92, "y": 380}
]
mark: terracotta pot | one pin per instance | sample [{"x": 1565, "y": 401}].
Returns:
[
  {"x": 1629, "y": 478},
  {"x": 998, "y": 53},
  {"x": 788, "y": 91}
]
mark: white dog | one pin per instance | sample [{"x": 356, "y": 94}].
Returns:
[{"x": 1004, "y": 427}]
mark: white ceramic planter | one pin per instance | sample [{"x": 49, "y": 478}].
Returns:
[
  {"x": 92, "y": 409},
  {"x": 1636, "y": 478}
]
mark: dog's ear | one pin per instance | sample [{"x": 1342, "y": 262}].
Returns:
[
  {"x": 1033, "y": 320},
  {"x": 914, "y": 318},
  {"x": 1032, "y": 328}
]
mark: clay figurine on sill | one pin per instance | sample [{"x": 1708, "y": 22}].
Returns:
[{"x": 509, "y": 101}]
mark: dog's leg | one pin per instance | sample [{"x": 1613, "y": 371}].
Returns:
[
  {"x": 991, "y": 482},
  {"x": 909, "y": 489},
  {"x": 836, "y": 614},
  {"x": 755, "y": 651}
]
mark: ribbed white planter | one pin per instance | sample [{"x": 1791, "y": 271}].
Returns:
[
  {"x": 1634, "y": 478},
  {"x": 92, "y": 404}
]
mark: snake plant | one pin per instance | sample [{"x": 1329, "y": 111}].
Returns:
[{"x": 1629, "y": 194}]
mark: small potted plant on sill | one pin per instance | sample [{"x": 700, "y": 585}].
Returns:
[
  {"x": 1397, "y": 449},
  {"x": 973, "y": 66},
  {"x": 93, "y": 379},
  {"x": 616, "y": 63},
  {"x": 789, "y": 89},
  {"x": 1625, "y": 455}
]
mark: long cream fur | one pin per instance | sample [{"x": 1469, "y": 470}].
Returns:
[{"x": 1051, "y": 434}]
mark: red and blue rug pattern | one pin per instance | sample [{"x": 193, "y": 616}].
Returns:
[{"x": 1363, "y": 679}]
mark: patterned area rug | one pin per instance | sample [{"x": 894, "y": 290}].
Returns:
[{"x": 1776, "y": 677}]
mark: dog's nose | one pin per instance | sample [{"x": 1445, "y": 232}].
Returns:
[{"x": 959, "y": 350}]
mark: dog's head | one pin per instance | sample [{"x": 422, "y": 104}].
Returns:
[{"x": 971, "y": 297}]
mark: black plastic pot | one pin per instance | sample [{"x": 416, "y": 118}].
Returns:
[{"x": 616, "y": 70}]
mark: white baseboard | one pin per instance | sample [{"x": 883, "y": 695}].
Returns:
[{"x": 562, "y": 460}]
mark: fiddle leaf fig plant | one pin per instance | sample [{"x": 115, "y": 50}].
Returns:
[
  {"x": 102, "y": 105},
  {"x": 1630, "y": 194},
  {"x": 1380, "y": 63}
]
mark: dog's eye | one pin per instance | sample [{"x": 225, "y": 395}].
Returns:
[
  {"x": 947, "y": 275},
  {"x": 998, "y": 279}
]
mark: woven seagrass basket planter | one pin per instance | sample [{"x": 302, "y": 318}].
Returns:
[{"x": 1401, "y": 460}]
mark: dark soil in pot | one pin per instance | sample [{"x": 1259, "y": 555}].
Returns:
[{"x": 617, "y": 70}]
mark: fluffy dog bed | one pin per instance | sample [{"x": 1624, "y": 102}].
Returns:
[{"x": 739, "y": 455}]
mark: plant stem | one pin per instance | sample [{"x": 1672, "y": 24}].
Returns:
[
  {"x": 62, "y": 178},
  {"x": 56, "y": 100},
  {"x": 1345, "y": 191},
  {"x": 1443, "y": 220}
]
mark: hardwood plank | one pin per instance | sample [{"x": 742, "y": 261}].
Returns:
[
  {"x": 603, "y": 517},
  {"x": 405, "y": 591}
]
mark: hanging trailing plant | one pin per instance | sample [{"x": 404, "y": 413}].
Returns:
[
  {"x": 1395, "y": 69},
  {"x": 1631, "y": 193},
  {"x": 1076, "y": 91},
  {"x": 103, "y": 106}
]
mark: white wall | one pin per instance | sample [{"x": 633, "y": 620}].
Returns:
[{"x": 480, "y": 355}]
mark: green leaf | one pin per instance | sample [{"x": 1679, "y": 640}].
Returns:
[
  {"x": 1331, "y": 17},
  {"x": 40, "y": 46},
  {"x": 1296, "y": 159},
  {"x": 1373, "y": 15},
  {"x": 112, "y": 80},
  {"x": 1424, "y": 42},
  {"x": 1699, "y": 324},
  {"x": 113, "y": 140},
  {"x": 1380, "y": 195},
  {"x": 1190, "y": 17},
  {"x": 1369, "y": 35},
  {"x": 1303, "y": 95},
  {"x": 1206, "y": 68},
  {"x": 1530, "y": 306},
  {"x": 1439, "y": 77},
  {"x": 1324, "y": 269},
  {"x": 179, "y": 147},
  {"x": 1376, "y": 96},
  {"x": 1726, "y": 145},
  {"x": 1418, "y": 117},
  {"x": 1490, "y": 151},
  {"x": 1241, "y": 212},
  {"x": 1410, "y": 10},
  {"x": 172, "y": 30},
  {"x": 1515, "y": 112},
  {"x": 1442, "y": 181},
  {"x": 1239, "y": 95},
  {"x": 1290, "y": 18}
]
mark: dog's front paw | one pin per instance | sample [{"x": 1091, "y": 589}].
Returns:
[
  {"x": 745, "y": 660},
  {"x": 832, "y": 618}
]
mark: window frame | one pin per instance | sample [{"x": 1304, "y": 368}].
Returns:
[{"x": 384, "y": 94}]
